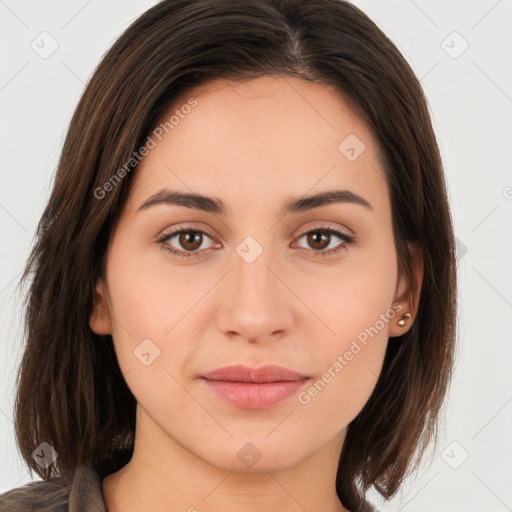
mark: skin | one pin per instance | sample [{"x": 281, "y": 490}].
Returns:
[{"x": 254, "y": 145}]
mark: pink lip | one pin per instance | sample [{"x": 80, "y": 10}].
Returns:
[{"x": 251, "y": 388}]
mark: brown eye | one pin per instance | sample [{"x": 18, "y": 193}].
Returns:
[
  {"x": 184, "y": 242},
  {"x": 317, "y": 240},
  {"x": 320, "y": 239},
  {"x": 190, "y": 240}
]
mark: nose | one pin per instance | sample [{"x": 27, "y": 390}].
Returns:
[{"x": 256, "y": 303}]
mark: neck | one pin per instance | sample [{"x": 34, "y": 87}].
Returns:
[{"x": 163, "y": 475}]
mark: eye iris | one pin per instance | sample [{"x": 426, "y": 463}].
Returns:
[
  {"x": 190, "y": 237},
  {"x": 313, "y": 239}
]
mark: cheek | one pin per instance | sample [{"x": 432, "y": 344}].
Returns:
[
  {"x": 357, "y": 306},
  {"x": 351, "y": 296},
  {"x": 154, "y": 318},
  {"x": 149, "y": 296}
]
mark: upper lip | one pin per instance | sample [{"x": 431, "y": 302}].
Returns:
[{"x": 241, "y": 373}]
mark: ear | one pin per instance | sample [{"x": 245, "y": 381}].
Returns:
[
  {"x": 408, "y": 296},
  {"x": 99, "y": 320}
]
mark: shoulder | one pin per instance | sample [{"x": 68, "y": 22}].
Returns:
[
  {"x": 41, "y": 496},
  {"x": 83, "y": 494}
]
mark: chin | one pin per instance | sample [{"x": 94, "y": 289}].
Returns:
[{"x": 254, "y": 454}]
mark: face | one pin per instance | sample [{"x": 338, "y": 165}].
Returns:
[{"x": 313, "y": 288}]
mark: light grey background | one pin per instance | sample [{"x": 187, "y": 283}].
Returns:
[{"x": 470, "y": 99}]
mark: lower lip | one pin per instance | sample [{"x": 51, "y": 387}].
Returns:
[{"x": 249, "y": 395}]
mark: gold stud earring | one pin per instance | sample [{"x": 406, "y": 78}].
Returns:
[{"x": 401, "y": 322}]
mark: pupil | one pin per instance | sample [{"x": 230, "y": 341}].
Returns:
[
  {"x": 190, "y": 238},
  {"x": 317, "y": 238}
]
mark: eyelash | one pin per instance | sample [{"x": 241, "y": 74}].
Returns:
[{"x": 347, "y": 239}]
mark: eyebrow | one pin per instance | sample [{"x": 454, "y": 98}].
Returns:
[{"x": 216, "y": 206}]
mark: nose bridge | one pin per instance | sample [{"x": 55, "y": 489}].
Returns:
[
  {"x": 256, "y": 304},
  {"x": 255, "y": 283},
  {"x": 252, "y": 269}
]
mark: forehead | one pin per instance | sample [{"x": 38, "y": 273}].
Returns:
[{"x": 258, "y": 138}]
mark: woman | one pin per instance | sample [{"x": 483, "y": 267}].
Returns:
[{"x": 244, "y": 284}]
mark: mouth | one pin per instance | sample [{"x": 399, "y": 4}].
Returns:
[{"x": 254, "y": 388}]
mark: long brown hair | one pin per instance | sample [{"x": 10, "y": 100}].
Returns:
[{"x": 70, "y": 390}]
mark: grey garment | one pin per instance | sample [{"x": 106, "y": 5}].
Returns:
[{"x": 84, "y": 494}]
